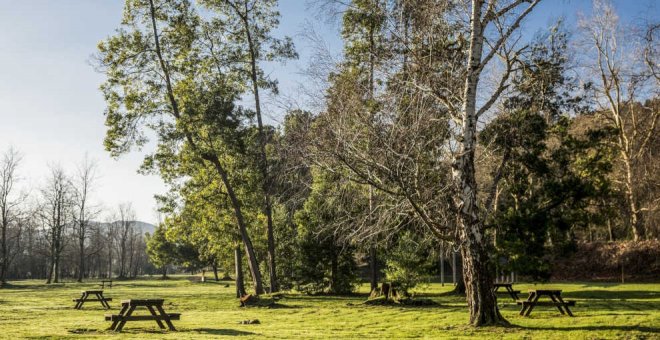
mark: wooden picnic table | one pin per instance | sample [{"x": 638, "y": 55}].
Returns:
[
  {"x": 509, "y": 290},
  {"x": 85, "y": 296},
  {"x": 553, "y": 294},
  {"x": 155, "y": 307},
  {"x": 104, "y": 282}
]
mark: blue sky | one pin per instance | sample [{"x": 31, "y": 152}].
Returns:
[{"x": 51, "y": 109}]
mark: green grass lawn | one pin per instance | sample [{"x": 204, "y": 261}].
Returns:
[{"x": 30, "y": 309}]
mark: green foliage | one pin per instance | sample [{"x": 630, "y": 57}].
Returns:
[
  {"x": 326, "y": 262},
  {"x": 408, "y": 262},
  {"x": 161, "y": 251},
  {"x": 550, "y": 175}
]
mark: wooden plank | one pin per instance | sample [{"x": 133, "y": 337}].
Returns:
[
  {"x": 143, "y": 302},
  {"x": 546, "y": 303},
  {"x": 93, "y": 291},
  {"x": 545, "y": 291},
  {"x": 86, "y": 300},
  {"x": 115, "y": 317},
  {"x": 507, "y": 292}
]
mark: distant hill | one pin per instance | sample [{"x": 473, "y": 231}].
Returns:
[{"x": 143, "y": 226}]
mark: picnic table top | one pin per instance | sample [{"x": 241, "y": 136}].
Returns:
[
  {"x": 106, "y": 280},
  {"x": 545, "y": 291},
  {"x": 502, "y": 284},
  {"x": 143, "y": 302},
  {"x": 93, "y": 291}
]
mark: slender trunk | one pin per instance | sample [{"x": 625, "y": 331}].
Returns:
[
  {"x": 476, "y": 271},
  {"x": 373, "y": 267},
  {"x": 4, "y": 265},
  {"x": 334, "y": 269},
  {"x": 638, "y": 231},
  {"x": 238, "y": 261},
  {"x": 459, "y": 282},
  {"x": 81, "y": 265},
  {"x": 49, "y": 275},
  {"x": 56, "y": 269},
  {"x": 215, "y": 271},
  {"x": 263, "y": 163},
  {"x": 442, "y": 264},
  {"x": 164, "y": 273},
  {"x": 249, "y": 248},
  {"x": 213, "y": 159}
]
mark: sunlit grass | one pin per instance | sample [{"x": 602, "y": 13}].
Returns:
[{"x": 30, "y": 309}]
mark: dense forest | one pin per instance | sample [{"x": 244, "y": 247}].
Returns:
[{"x": 445, "y": 130}]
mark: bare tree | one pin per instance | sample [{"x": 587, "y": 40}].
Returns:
[
  {"x": 85, "y": 212},
  {"x": 423, "y": 138},
  {"x": 56, "y": 213},
  {"x": 625, "y": 68},
  {"x": 124, "y": 225},
  {"x": 9, "y": 203}
]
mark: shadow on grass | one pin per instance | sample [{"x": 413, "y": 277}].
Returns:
[
  {"x": 278, "y": 305},
  {"x": 41, "y": 286},
  {"x": 225, "y": 332},
  {"x": 645, "y": 329},
  {"x": 450, "y": 293},
  {"x": 84, "y": 331},
  {"x": 327, "y": 298},
  {"x": 613, "y": 295}
]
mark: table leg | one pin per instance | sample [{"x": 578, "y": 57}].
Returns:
[
  {"x": 78, "y": 302},
  {"x": 153, "y": 312},
  {"x": 565, "y": 305},
  {"x": 121, "y": 312},
  {"x": 83, "y": 298},
  {"x": 102, "y": 300},
  {"x": 513, "y": 295},
  {"x": 555, "y": 300},
  {"x": 121, "y": 324},
  {"x": 166, "y": 317},
  {"x": 531, "y": 306},
  {"x": 529, "y": 299}
]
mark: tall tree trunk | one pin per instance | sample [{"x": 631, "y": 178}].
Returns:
[
  {"x": 249, "y": 248},
  {"x": 49, "y": 275},
  {"x": 638, "y": 231},
  {"x": 56, "y": 269},
  {"x": 81, "y": 265},
  {"x": 213, "y": 159},
  {"x": 459, "y": 280},
  {"x": 4, "y": 263},
  {"x": 476, "y": 271},
  {"x": 164, "y": 273},
  {"x": 373, "y": 268},
  {"x": 214, "y": 265},
  {"x": 238, "y": 262},
  {"x": 334, "y": 271},
  {"x": 263, "y": 163}
]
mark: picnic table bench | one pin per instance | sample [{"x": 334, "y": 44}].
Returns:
[
  {"x": 155, "y": 307},
  {"x": 85, "y": 296},
  {"x": 553, "y": 294},
  {"x": 104, "y": 282},
  {"x": 509, "y": 290}
]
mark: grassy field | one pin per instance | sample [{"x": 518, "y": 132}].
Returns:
[{"x": 30, "y": 309}]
